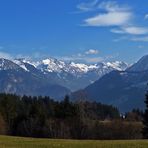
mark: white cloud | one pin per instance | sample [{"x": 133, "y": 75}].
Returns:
[
  {"x": 113, "y": 6},
  {"x": 85, "y": 7},
  {"x": 114, "y": 15},
  {"x": 120, "y": 39},
  {"x": 92, "y": 52},
  {"x": 118, "y": 30},
  {"x": 131, "y": 30},
  {"x": 109, "y": 19}
]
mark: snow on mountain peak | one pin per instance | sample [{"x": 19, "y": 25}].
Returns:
[
  {"x": 50, "y": 65},
  {"x": 54, "y": 65},
  {"x": 118, "y": 65},
  {"x": 70, "y": 74},
  {"x": 7, "y": 64},
  {"x": 21, "y": 64},
  {"x": 80, "y": 67}
]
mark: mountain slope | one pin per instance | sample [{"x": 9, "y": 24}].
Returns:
[
  {"x": 15, "y": 79},
  {"x": 141, "y": 65},
  {"x": 124, "y": 89},
  {"x": 50, "y": 77},
  {"x": 77, "y": 75}
]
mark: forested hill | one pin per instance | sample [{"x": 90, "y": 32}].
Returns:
[{"x": 44, "y": 117}]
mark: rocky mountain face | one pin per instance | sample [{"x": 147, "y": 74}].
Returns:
[{"x": 124, "y": 89}]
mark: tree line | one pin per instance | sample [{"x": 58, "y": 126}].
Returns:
[{"x": 43, "y": 117}]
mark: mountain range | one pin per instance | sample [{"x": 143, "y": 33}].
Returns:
[
  {"x": 114, "y": 83},
  {"x": 124, "y": 89},
  {"x": 21, "y": 76}
]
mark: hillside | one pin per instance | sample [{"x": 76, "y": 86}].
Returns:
[{"x": 124, "y": 89}]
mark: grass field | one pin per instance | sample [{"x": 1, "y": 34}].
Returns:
[{"x": 15, "y": 142}]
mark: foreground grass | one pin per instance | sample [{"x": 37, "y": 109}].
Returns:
[{"x": 15, "y": 142}]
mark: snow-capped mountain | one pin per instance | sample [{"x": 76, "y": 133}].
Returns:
[
  {"x": 51, "y": 65},
  {"x": 8, "y": 65},
  {"x": 118, "y": 65},
  {"x": 114, "y": 82},
  {"x": 70, "y": 74},
  {"x": 23, "y": 62},
  {"x": 54, "y": 65},
  {"x": 22, "y": 78}
]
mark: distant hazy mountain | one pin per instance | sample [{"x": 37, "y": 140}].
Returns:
[{"x": 124, "y": 89}]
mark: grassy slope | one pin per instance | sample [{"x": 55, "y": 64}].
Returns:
[{"x": 15, "y": 142}]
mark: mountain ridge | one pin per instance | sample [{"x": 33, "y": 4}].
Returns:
[
  {"x": 124, "y": 89},
  {"x": 74, "y": 75}
]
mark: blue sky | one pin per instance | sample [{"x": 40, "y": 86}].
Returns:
[{"x": 79, "y": 30}]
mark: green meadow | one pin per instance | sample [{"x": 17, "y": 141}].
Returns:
[{"x": 16, "y": 142}]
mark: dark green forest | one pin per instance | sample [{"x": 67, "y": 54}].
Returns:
[{"x": 42, "y": 117}]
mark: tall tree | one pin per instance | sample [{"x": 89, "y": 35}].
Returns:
[{"x": 145, "y": 119}]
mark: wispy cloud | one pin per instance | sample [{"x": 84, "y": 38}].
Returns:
[
  {"x": 131, "y": 30},
  {"x": 120, "y": 39},
  {"x": 141, "y": 39},
  {"x": 88, "y": 56},
  {"x": 85, "y": 7},
  {"x": 113, "y": 6},
  {"x": 119, "y": 18},
  {"x": 114, "y": 15},
  {"x": 109, "y": 19},
  {"x": 132, "y": 38},
  {"x": 91, "y": 52}
]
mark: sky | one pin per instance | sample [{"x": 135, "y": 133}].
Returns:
[{"x": 80, "y": 30}]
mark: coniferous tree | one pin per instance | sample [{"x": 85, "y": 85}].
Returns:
[{"x": 145, "y": 119}]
